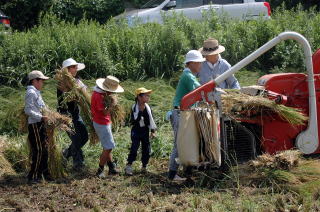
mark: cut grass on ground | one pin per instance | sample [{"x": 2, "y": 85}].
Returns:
[{"x": 152, "y": 191}]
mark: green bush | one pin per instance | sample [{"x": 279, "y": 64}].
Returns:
[{"x": 152, "y": 50}]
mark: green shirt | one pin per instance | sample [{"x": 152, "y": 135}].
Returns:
[{"x": 187, "y": 83}]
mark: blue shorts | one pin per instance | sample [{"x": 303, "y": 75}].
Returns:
[{"x": 105, "y": 135}]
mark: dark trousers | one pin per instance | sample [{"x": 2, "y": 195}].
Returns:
[
  {"x": 137, "y": 136},
  {"x": 78, "y": 139},
  {"x": 39, "y": 150}
]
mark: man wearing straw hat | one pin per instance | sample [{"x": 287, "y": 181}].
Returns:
[
  {"x": 102, "y": 120},
  {"x": 215, "y": 65},
  {"x": 187, "y": 83},
  {"x": 80, "y": 137},
  {"x": 36, "y": 127}
]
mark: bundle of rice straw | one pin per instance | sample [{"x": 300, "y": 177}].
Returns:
[
  {"x": 237, "y": 105},
  {"x": 56, "y": 121},
  {"x": 117, "y": 112},
  {"x": 23, "y": 121},
  {"x": 209, "y": 135},
  {"x": 285, "y": 160},
  {"x": 288, "y": 159},
  {"x": 73, "y": 92},
  {"x": 5, "y": 166}
]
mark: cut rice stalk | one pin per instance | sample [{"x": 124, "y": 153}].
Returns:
[
  {"x": 73, "y": 92},
  {"x": 56, "y": 121},
  {"x": 237, "y": 105},
  {"x": 117, "y": 112}
]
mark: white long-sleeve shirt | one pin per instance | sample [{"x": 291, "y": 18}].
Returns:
[{"x": 33, "y": 105}]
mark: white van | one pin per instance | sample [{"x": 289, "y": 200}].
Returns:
[{"x": 194, "y": 9}]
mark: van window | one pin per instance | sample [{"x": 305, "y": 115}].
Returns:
[
  {"x": 223, "y": 2},
  {"x": 152, "y": 4},
  {"x": 188, "y": 3}
]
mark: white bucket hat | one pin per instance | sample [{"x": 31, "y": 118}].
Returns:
[
  {"x": 194, "y": 56},
  {"x": 72, "y": 62},
  {"x": 110, "y": 83},
  {"x": 35, "y": 74}
]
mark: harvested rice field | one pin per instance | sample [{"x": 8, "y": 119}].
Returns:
[{"x": 285, "y": 182}]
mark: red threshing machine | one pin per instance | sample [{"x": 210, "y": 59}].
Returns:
[{"x": 245, "y": 139}]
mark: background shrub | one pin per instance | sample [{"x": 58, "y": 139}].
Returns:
[{"x": 152, "y": 50}]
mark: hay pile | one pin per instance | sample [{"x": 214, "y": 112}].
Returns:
[
  {"x": 272, "y": 170},
  {"x": 5, "y": 165},
  {"x": 237, "y": 105},
  {"x": 285, "y": 160},
  {"x": 72, "y": 92},
  {"x": 117, "y": 112}
]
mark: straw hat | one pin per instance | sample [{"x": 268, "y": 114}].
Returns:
[
  {"x": 35, "y": 74},
  {"x": 194, "y": 56},
  {"x": 142, "y": 90},
  {"x": 72, "y": 62},
  {"x": 110, "y": 83},
  {"x": 211, "y": 46}
]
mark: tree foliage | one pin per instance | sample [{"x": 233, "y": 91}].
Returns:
[
  {"x": 289, "y": 4},
  {"x": 25, "y": 14}
]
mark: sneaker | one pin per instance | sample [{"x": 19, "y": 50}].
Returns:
[
  {"x": 177, "y": 178},
  {"x": 128, "y": 170},
  {"x": 100, "y": 174}
]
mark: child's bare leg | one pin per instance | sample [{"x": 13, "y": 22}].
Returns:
[{"x": 105, "y": 157}]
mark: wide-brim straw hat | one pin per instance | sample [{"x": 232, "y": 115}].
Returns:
[
  {"x": 142, "y": 90},
  {"x": 211, "y": 46},
  {"x": 72, "y": 62},
  {"x": 110, "y": 84}
]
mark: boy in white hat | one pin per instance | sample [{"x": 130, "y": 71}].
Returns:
[
  {"x": 187, "y": 83},
  {"x": 80, "y": 136},
  {"x": 142, "y": 123},
  {"x": 102, "y": 120},
  {"x": 36, "y": 127},
  {"x": 215, "y": 65}
]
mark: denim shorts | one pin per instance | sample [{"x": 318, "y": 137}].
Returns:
[{"x": 105, "y": 135}]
